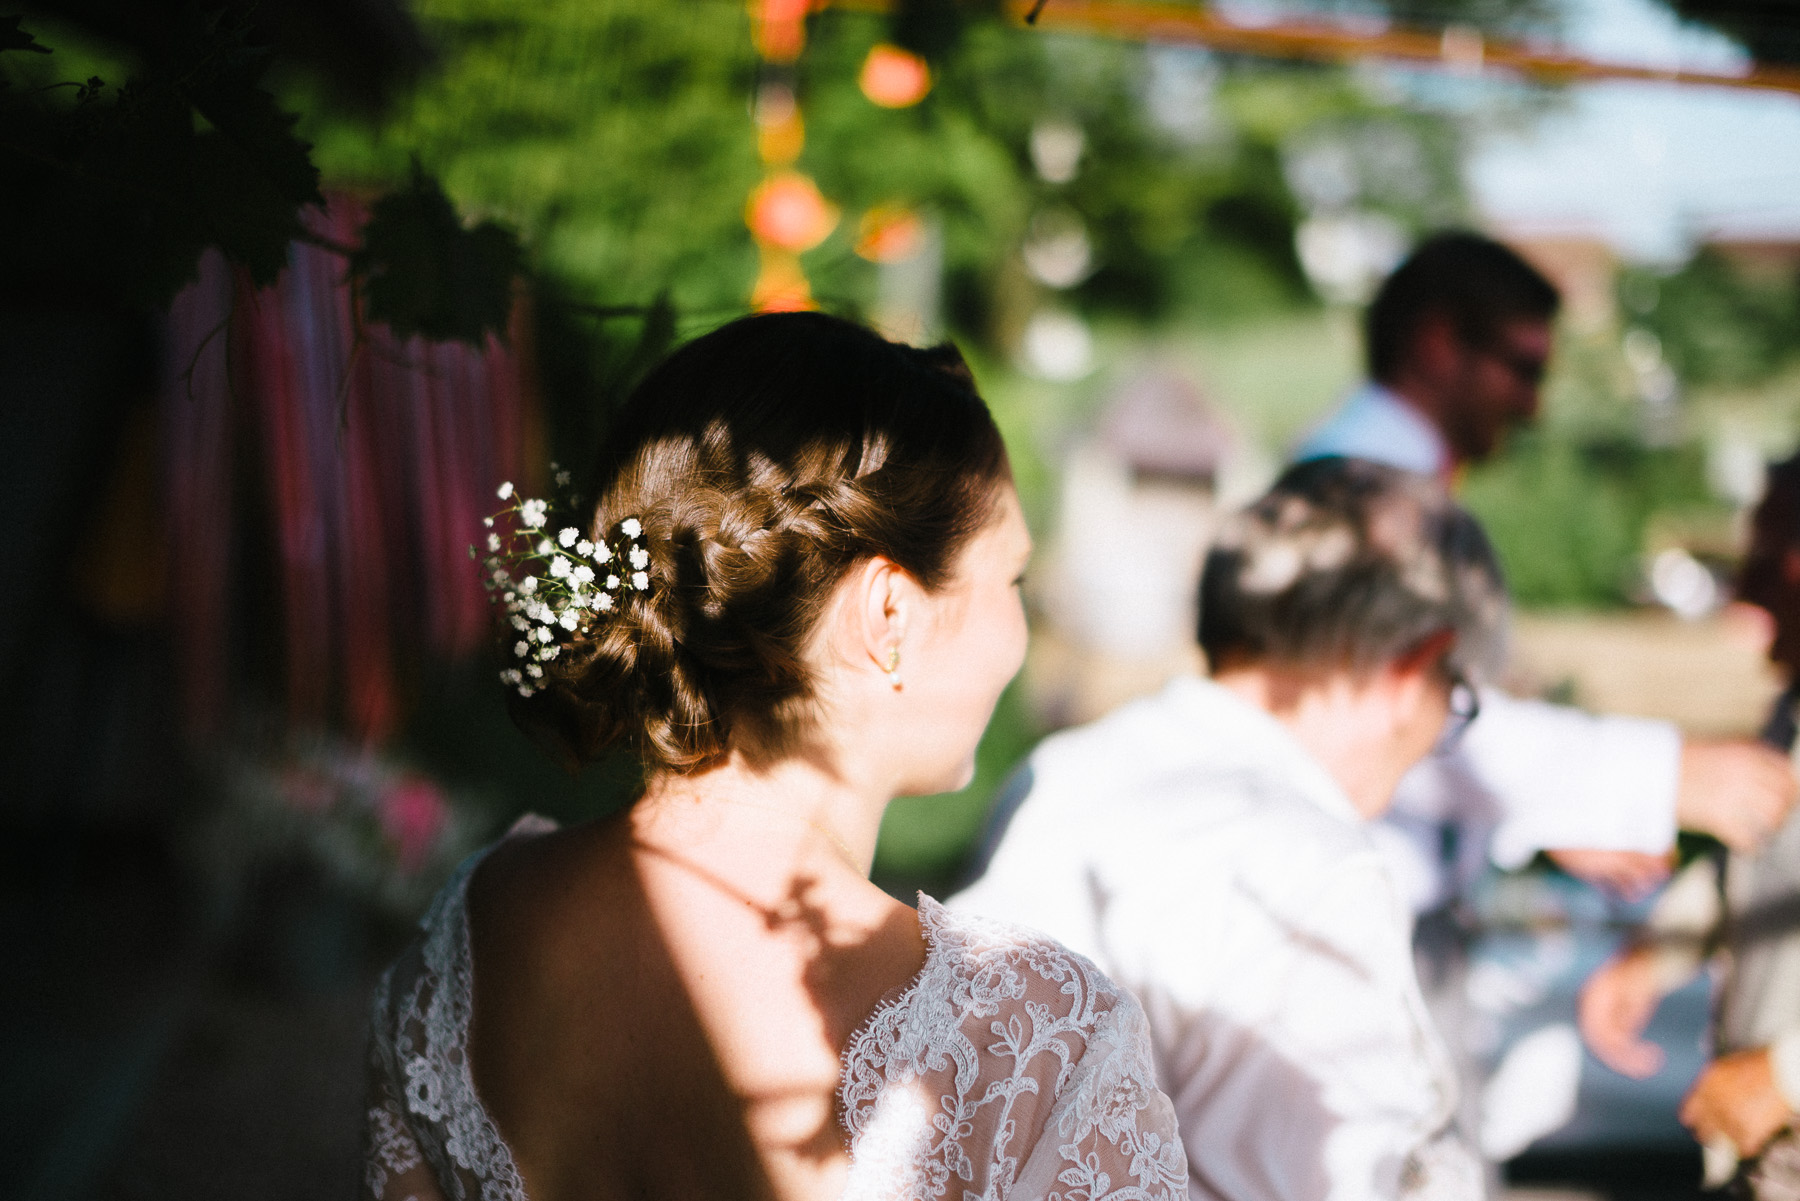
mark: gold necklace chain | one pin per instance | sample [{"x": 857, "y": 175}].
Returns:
[{"x": 843, "y": 848}]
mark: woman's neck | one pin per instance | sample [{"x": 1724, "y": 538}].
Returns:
[{"x": 762, "y": 819}]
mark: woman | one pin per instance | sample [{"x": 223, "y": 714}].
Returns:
[{"x": 705, "y": 996}]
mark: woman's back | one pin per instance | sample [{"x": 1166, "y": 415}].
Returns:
[
  {"x": 641, "y": 984},
  {"x": 610, "y": 1064}
]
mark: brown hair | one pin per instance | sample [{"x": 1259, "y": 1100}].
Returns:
[{"x": 764, "y": 460}]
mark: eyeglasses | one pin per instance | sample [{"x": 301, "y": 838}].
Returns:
[{"x": 1465, "y": 707}]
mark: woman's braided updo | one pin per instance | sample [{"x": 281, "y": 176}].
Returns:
[{"x": 764, "y": 460}]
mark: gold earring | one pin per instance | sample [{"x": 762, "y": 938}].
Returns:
[{"x": 893, "y": 667}]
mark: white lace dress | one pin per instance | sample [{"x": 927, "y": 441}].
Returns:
[{"x": 1009, "y": 1068}]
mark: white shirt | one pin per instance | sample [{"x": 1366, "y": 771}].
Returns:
[
  {"x": 1189, "y": 845},
  {"x": 1528, "y": 776}
]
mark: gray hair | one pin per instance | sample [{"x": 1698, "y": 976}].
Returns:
[{"x": 1349, "y": 563}]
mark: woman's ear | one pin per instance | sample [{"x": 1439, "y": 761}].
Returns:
[{"x": 882, "y": 598}]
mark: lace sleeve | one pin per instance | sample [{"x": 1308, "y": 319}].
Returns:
[
  {"x": 1112, "y": 1133},
  {"x": 393, "y": 1168}
]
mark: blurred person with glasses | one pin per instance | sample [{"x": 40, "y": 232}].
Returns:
[
  {"x": 1209, "y": 846},
  {"x": 1458, "y": 340}
]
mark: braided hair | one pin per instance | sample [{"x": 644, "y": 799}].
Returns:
[{"x": 764, "y": 460}]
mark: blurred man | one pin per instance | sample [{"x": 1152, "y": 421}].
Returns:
[
  {"x": 1208, "y": 845},
  {"x": 1458, "y": 340},
  {"x": 1750, "y": 1094}
]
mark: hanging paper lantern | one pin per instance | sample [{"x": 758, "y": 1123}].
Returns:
[
  {"x": 894, "y": 78},
  {"x": 787, "y": 211},
  {"x": 888, "y": 233}
]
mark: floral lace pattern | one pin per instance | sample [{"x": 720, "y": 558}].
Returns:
[{"x": 1010, "y": 1067}]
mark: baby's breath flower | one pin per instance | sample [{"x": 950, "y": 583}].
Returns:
[
  {"x": 602, "y": 601},
  {"x": 567, "y": 535},
  {"x": 505, "y": 491},
  {"x": 549, "y": 653},
  {"x": 533, "y": 512},
  {"x": 511, "y": 676},
  {"x": 543, "y": 635},
  {"x": 544, "y": 547},
  {"x": 488, "y": 522},
  {"x": 527, "y": 690},
  {"x": 493, "y": 542},
  {"x": 584, "y": 548},
  {"x": 534, "y": 671},
  {"x": 602, "y": 553},
  {"x": 569, "y": 619},
  {"x": 582, "y": 574},
  {"x": 631, "y": 527},
  {"x": 640, "y": 580},
  {"x": 640, "y": 558},
  {"x": 612, "y": 581},
  {"x": 519, "y": 623},
  {"x": 519, "y": 648},
  {"x": 559, "y": 567},
  {"x": 562, "y": 479},
  {"x": 510, "y": 597},
  {"x": 528, "y": 585}
]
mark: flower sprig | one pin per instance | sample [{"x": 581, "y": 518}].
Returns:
[{"x": 554, "y": 585}]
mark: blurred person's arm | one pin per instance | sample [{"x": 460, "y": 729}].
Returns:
[
  {"x": 1740, "y": 1098},
  {"x": 1737, "y": 790},
  {"x": 1620, "y": 997},
  {"x": 1558, "y": 777}
]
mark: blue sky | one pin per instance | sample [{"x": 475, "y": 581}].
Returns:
[{"x": 1649, "y": 167}]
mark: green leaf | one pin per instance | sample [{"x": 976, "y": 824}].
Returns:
[
  {"x": 14, "y": 38},
  {"x": 423, "y": 273}
]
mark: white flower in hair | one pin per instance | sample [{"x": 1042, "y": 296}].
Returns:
[
  {"x": 559, "y": 567},
  {"x": 640, "y": 558},
  {"x": 505, "y": 492},
  {"x": 612, "y": 581},
  {"x": 532, "y": 512},
  {"x": 569, "y": 620},
  {"x": 510, "y": 597},
  {"x": 567, "y": 535},
  {"x": 602, "y": 553},
  {"x": 584, "y": 548},
  {"x": 583, "y": 574},
  {"x": 526, "y": 690},
  {"x": 534, "y": 671},
  {"x": 544, "y": 547},
  {"x": 488, "y": 522},
  {"x": 543, "y": 634},
  {"x": 528, "y": 585},
  {"x": 631, "y": 527},
  {"x": 519, "y": 623},
  {"x": 562, "y": 479},
  {"x": 520, "y": 648},
  {"x": 603, "y": 601},
  {"x": 549, "y": 653},
  {"x": 640, "y": 580},
  {"x": 493, "y": 542}
]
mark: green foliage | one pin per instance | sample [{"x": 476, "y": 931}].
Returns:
[
  {"x": 1567, "y": 516},
  {"x": 115, "y": 191},
  {"x": 615, "y": 137},
  {"x": 1719, "y": 325}
]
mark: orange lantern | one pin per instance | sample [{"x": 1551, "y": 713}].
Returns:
[
  {"x": 786, "y": 211},
  {"x": 888, "y": 233},
  {"x": 894, "y": 78}
]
